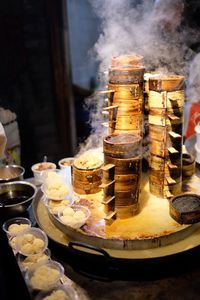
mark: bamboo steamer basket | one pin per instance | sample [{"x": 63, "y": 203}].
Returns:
[
  {"x": 161, "y": 178},
  {"x": 126, "y": 92},
  {"x": 188, "y": 165},
  {"x": 127, "y": 104},
  {"x": 165, "y": 191},
  {"x": 162, "y": 165},
  {"x": 161, "y": 121},
  {"x": 124, "y": 212},
  {"x": 87, "y": 176},
  {"x": 123, "y": 198},
  {"x": 123, "y": 183},
  {"x": 166, "y": 83},
  {"x": 121, "y": 145},
  {"x": 127, "y": 123},
  {"x": 163, "y": 112},
  {"x": 126, "y": 69},
  {"x": 174, "y": 189},
  {"x": 125, "y": 166},
  {"x": 166, "y": 99},
  {"x": 161, "y": 149},
  {"x": 131, "y": 131},
  {"x": 126, "y": 75},
  {"x": 87, "y": 181},
  {"x": 125, "y": 111},
  {"x": 81, "y": 188},
  {"x": 160, "y": 133}
]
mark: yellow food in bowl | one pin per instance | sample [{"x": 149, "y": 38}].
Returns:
[{"x": 44, "y": 277}]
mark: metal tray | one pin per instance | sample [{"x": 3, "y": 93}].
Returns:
[{"x": 109, "y": 264}]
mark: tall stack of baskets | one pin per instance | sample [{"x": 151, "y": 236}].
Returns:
[
  {"x": 122, "y": 148},
  {"x": 166, "y": 101},
  {"x": 127, "y": 101}
]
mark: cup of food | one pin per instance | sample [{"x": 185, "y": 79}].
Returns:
[
  {"x": 74, "y": 216},
  {"x": 55, "y": 186},
  {"x": 55, "y": 206},
  {"x": 44, "y": 276},
  {"x": 66, "y": 164},
  {"x": 15, "y": 226},
  {"x": 26, "y": 262},
  {"x": 39, "y": 169},
  {"x": 32, "y": 241},
  {"x": 60, "y": 292}
]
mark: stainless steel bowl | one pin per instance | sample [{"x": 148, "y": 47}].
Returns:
[
  {"x": 11, "y": 173},
  {"x": 16, "y": 197}
]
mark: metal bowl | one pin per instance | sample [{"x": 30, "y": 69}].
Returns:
[
  {"x": 11, "y": 173},
  {"x": 16, "y": 197}
]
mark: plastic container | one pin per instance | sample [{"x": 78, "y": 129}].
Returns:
[
  {"x": 73, "y": 219},
  {"x": 26, "y": 262},
  {"x": 11, "y": 173},
  {"x": 44, "y": 276},
  {"x": 19, "y": 229},
  {"x": 12, "y": 242},
  {"x": 70, "y": 293},
  {"x": 57, "y": 187},
  {"x": 55, "y": 206},
  {"x": 29, "y": 242},
  {"x": 66, "y": 164},
  {"x": 39, "y": 169}
]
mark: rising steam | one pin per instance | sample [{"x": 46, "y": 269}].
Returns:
[{"x": 142, "y": 27}]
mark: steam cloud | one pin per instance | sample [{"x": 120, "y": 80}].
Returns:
[{"x": 132, "y": 26}]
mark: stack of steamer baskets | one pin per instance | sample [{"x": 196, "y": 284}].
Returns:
[
  {"x": 166, "y": 101},
  {"x": 122, "y": 147},
  {"x": 87, "y": 174}
]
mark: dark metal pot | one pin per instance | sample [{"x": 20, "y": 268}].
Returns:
[
  {"x": 11, "y": 173},
  {"x": 16, "y": 197}
]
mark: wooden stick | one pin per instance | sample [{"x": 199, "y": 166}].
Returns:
[
  {"x": 172, "y": 150},
  {"x": 105, "y": 185},
  {"x": 172, "y": 117},
  {"x": 110, "y": 215},
  {"x": 174, "y": 134},
  {"x": 110, "y": 107},
  {"x": 170, "y": 180},
  {"x": 172, "y": 166},
  {"x": 106, "y": 92},
  {"x": 108, "y": 199},
  {"x": 107, "y": 167}
]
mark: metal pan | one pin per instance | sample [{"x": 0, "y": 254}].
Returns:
[{"x": 109, "y": 264}]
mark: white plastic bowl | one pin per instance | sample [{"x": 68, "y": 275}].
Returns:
[
  {"x": 48, "y": 283},
  {"x": 45, "y": 187},
  {"x": 70, "y": 293},
  {"x": 37, "y": 233},
  {"x": 18, "y": 221},
  {"x": 26, "y": 262},
  {"x": 39, "y": 169},
  {"x": 75, "y": 223}
]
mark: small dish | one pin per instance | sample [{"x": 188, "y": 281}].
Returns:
[
  {"x": 31, "y": 242},
  {"x": 74, "y": 216},
  {"x": 66, "y": 162},
  {"x": 40, "y": 168},
  {"x": 55, "y": 206},
  {"x": 56, "y": 187},
  {"x": 12, "y": 242},
  {"x": 59, "y": 292},
  {"x": 26, "y": 262},
  {"x": 44, "y": 276},
  {"x": 15, "y": 226}
]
